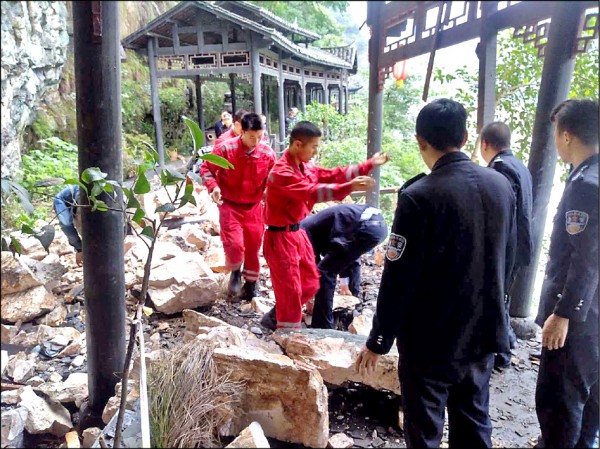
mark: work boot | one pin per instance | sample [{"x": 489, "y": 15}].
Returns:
[
  {"x": 235, "y": 283},
  {"x": 269, "y": 320},
  {"x": 248, "y": 291}
]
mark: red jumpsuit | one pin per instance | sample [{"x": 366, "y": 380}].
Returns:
[
  {"x": 292, "y": 191},
  {"x": 242, "y": 190}
]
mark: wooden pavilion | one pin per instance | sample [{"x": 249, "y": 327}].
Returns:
[
  {"x": 558, "y": 29},
  {"x": 236, "y": 41}
]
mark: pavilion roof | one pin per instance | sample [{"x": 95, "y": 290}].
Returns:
[{"x": 339, "y": 57}]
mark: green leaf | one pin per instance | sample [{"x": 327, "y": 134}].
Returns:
[
  {"x": 26, "y": 229},
  {"x": 187, "y": 199},
  {"x": 217, "y": 160},
  {"x": 15, "y": 246},
  {"x": 148, "y": 232},
  {"x": 92, "y": 174},
  {"x": 167, "y": 207},
  {"x": 141, "y": 185},
  {"x": 73, "y": 181},
  {"x": 151, "y": 153},
  {"x": 168, "y": 176},
  {"x": 138, "y": 216},
  {"x": 189, "y": 187},
  {"x": 195, "y": 131},
  {"x": 101, "y": 206},
  {"x": 96, "y": 189},
  {"x": 46, "y": 236},
  {"x": 132, "y": 202}
]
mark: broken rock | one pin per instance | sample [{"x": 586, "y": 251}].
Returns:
[
  {"x": 45, "y": 417},
  {"x": 362, "y": 324},
  {"x": 195, "y": 236},
  {"x": 42, "y": 333},
  {"x": 184, "y": 282},
  {"x": 20, "y": 368},
  {"x": 74, "y": 389},
  {"x": 27, "y": 305},
  {"x": 251, "y": 437},
  {"x": 90, "y": 435},
  {"x": 272, "y": 398},
  {"x": 54, "y": 318},
  {"x": 262, "y": 305},
  {"x": 215, "y": 256},
  {"x": 340, "y": 440},
  {"x": 345, "y": 302},
  {"x": 334, "y": 354},
  {"x": 16, "y": 275},
  {"x": 13, "y": 424},
  {"x": 8, "y": 332}
]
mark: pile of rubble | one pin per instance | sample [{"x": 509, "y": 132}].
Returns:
[{"x": 292, "y": 378}]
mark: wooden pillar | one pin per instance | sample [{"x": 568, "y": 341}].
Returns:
[
  {"x": 325, "y": 91},
  {"x": 346, "y": 100},
  {"x": 199, "y": 102},
  {"x": 152, "y": 44},
  {"x": 232, "y": 90},
  {"x": 302, "y": 90},
  {"x": 375, "y": 120},
  {"x": 256, "y": 93},
  {"x": 98, "y": 83},
  {"x": 340, "y": 100},
  {"x": 281, "y": 107},
  {"x": 265, "y": 98},
  {"x": 557, "y": 73},
  {"x": 486, "y": 51}
]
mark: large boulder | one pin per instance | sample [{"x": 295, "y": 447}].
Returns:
[
  {"x": 26, "y": 305},
  {"x": 288, "y": 399},
  {"x": 183, "y": 282},
  {"x": 45, "y": 417},
  {"x": 334, "y": 354},
  {"x": 16, "y": 275},
  {"x": 219, "y": 334}
]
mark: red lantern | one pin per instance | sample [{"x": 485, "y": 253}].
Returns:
[{"x": 399, "y": 72}]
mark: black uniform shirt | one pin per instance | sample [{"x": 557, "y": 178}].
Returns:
[
  {"x": 570, "y": 287},
  {"x": 442, "y": 288},
  {"x": 519, "y": 177},
  {"x": 335, "y": 226}
]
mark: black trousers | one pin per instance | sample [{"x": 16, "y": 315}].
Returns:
[
  {"x": 346, "y": 260},
  {"x": 462, "y": 388},
  {"x": 566, "y": 396}
]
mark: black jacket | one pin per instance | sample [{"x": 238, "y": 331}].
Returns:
[
  {"x": 442, "y": 288},
  {"x": 220, "y": 128},
  {"x": 519, "y": 177},
  {"x": 570, "y": 286}
]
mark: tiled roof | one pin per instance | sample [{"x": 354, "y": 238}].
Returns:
[
  {"x": 310, "y": 54},
  {"x": 268, "y": 16}
]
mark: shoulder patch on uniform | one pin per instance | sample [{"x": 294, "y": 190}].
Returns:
[
  {"x": 576, "y": 221},
  {"x": 395, "y": 247}
]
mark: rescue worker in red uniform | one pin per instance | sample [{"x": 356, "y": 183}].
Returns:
[
  {"x": 293, "y": 187},
  {"x": 239, "y": 192},
  {"x": 236, "y": 129}
]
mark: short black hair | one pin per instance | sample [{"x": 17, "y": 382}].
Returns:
[
  {"x": 579, "y": 117},
  {"x": 251, "y": 122},
  {"x": 497, "y": 134},
  {"x": 443, "y": 124},
  {"x": 303, "y": 131},
  {"x": 238, "y": 115}
]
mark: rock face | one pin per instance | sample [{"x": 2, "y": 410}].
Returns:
[
  {"x": 288, "y": 399},
  {"x": 34, "y": 50},
  {"x": 251, "y": 437},
  {"x": 27, "y": 305},
  {"x": 183, "y": 282},
  {"x": 334, "y": 354}
]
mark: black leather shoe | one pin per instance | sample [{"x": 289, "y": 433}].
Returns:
[
  {"x": 248, "y": 291},
  {"x": 235, "y": 283},
  {"x": 269, "y": 320}
]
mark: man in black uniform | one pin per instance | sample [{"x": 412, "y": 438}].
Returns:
[
  {"x": 340, "y": 235},
  {"x": 442, "y": 288},
  {"x": 566, "y": 396},
  {"x": 495, "y": 150}
]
